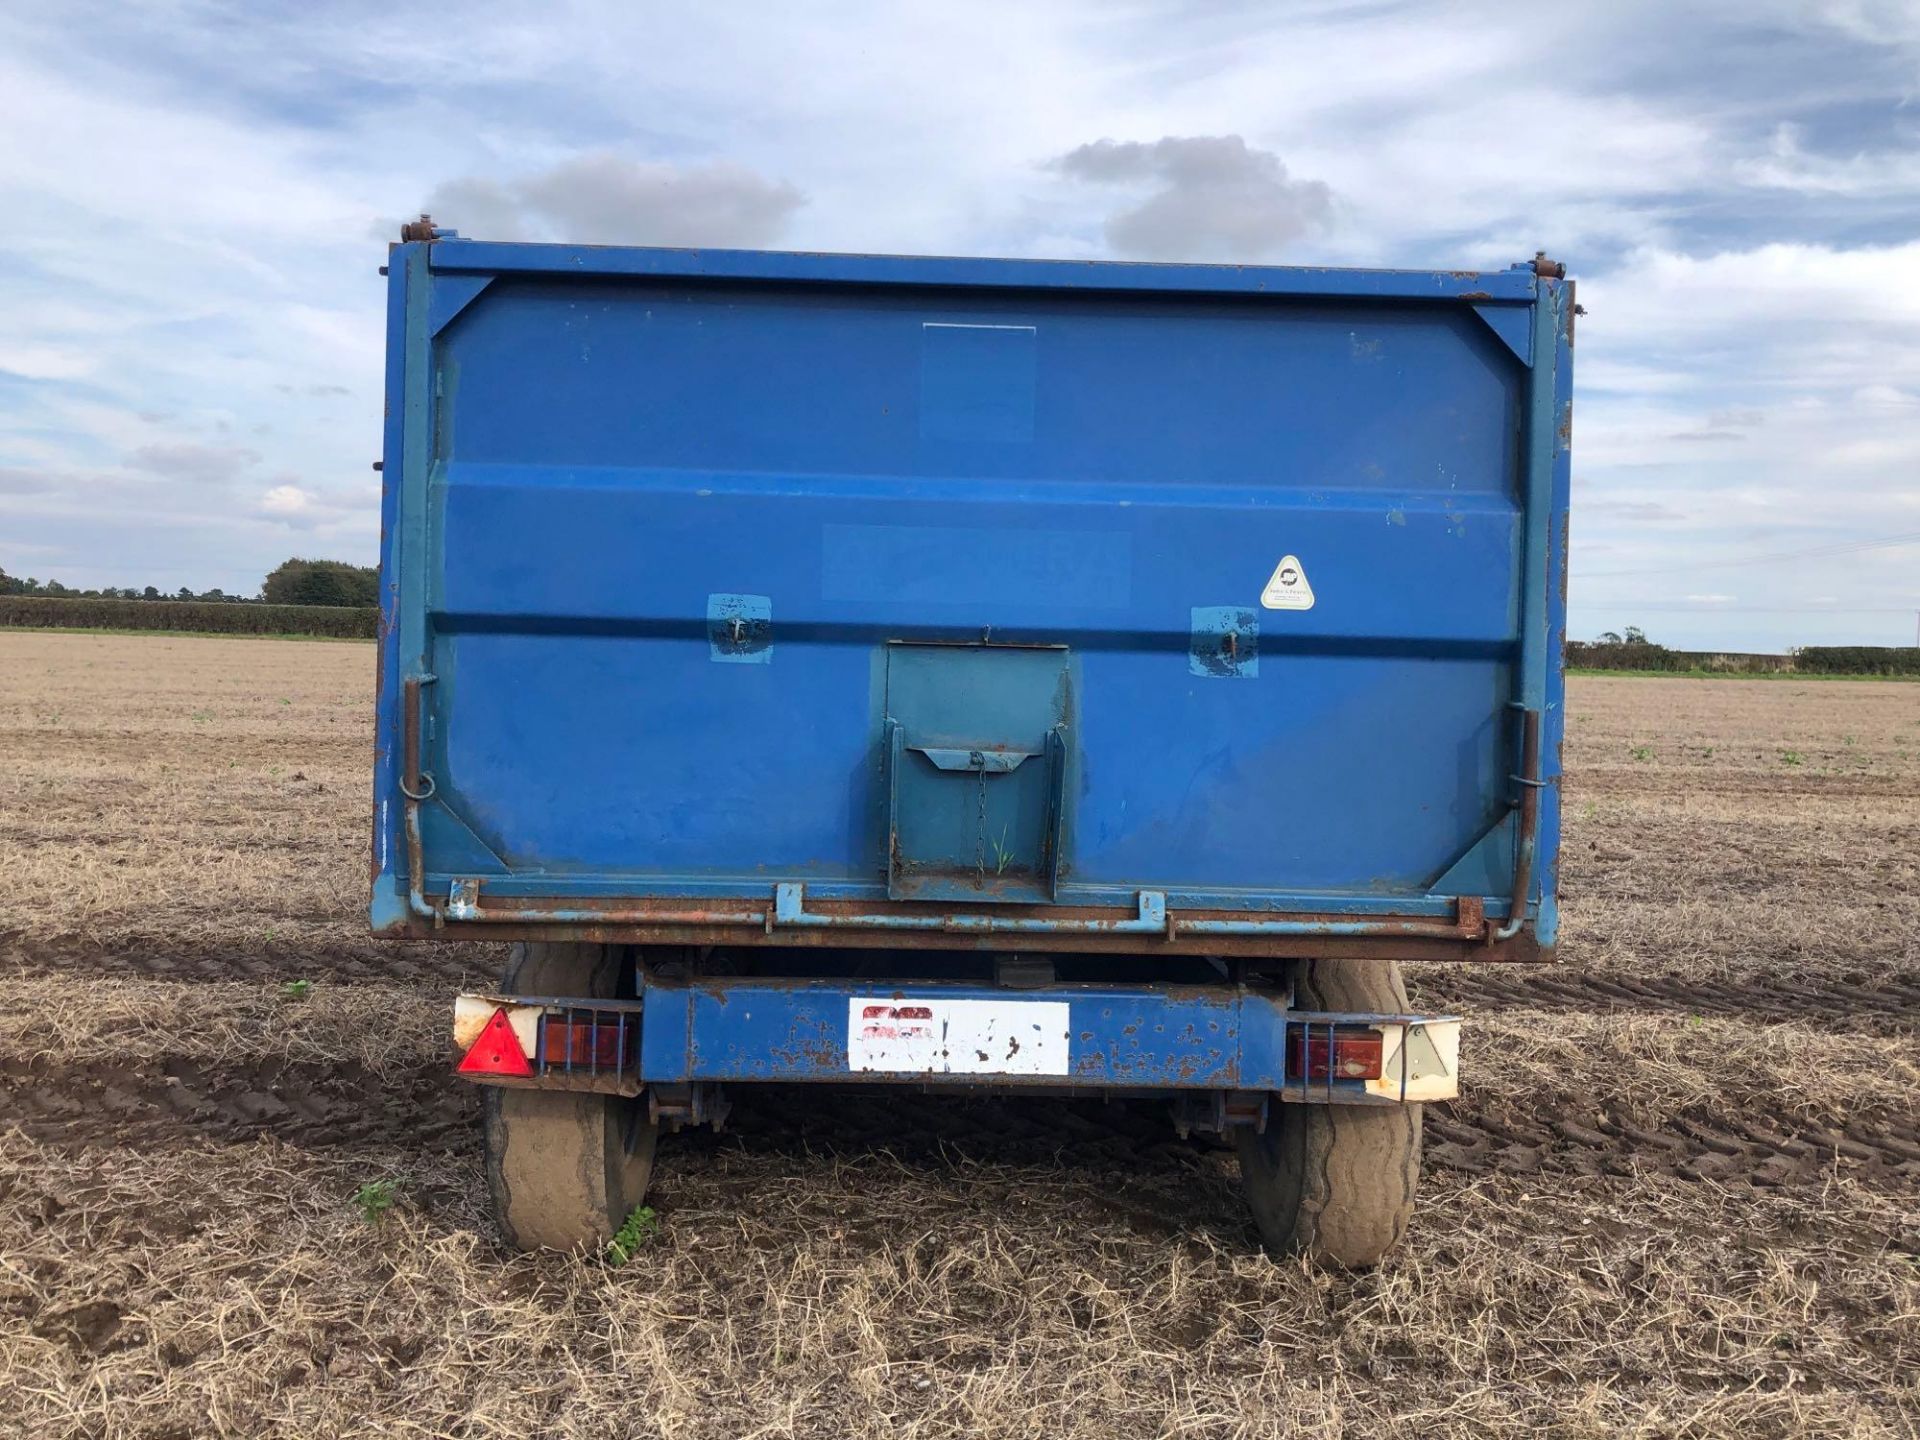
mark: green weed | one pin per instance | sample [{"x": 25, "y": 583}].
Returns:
[
  {"x": 1002, "y": 856},
  {"x": 640, "y": 1228},
  {"x": 296, "y": 990},
  {"x": 375, "y": 1198}
]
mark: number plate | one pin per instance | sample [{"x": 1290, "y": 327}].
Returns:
[{"x": 894, "y": 1036}]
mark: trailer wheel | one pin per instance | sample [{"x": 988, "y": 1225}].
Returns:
[
  {"x": 565, "y": 1168},
  {"x": 1335, "y": 1182}
]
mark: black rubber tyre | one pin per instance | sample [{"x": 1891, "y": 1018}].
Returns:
[
  {"x": 565, "y": 1169},
  {"x": 1335, "y": 1182}
]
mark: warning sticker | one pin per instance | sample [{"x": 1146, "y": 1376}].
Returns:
[{"x": 1288, "y": 589}]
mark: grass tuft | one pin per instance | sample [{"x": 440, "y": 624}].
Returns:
[
  {"x": 375, "y": 1198},
  {"x": 639, "y": 1229}
]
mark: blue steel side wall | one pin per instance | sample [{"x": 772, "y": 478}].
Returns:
[
  {"x": 1558, "y": 296},
  {"x": 406, "y": 266}
]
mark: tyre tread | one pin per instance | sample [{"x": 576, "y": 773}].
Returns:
[
  {"x": 1336, "y": 1182},
  {"x": 558, "y": 1169}
]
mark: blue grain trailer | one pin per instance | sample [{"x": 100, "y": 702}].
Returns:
[{"x": 1001, "y": 675}]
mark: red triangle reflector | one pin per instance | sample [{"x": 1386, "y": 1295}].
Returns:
[{"x": 496, "y": 1052}]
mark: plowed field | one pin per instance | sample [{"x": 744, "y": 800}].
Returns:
[{"x": 1680, "y": 1196}]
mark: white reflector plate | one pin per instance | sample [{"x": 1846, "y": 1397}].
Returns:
[{"x": 956, "y": 1037}]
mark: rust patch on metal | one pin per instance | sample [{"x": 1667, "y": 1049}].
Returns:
[
  {"x": 410, "y": 733},
  {"x": 625, "y": 920},
  {"x": 1528, "y": 833},
  {"x": 1521, "y": 949},
  {"x": 412, "y": 793}
]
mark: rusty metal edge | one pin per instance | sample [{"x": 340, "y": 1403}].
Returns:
[
  {"x": 1088, "y": 921},
  {"x": 1527, "y": 840},
  {"x": 1522, "y": 949}
]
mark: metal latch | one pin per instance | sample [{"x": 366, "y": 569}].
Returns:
[
  {"x": 1224, "y": 643},
  {"x": 986, "y": 762},
  {"x": 740, "y": 629}
]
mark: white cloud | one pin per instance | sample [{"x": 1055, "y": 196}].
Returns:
[
  {"x": 189, "y": 233},
  {"x": 1200, "y": 197},
  {"x": 1863, "y": 173},
  {"x": 605, "y": 199},
  {"x": 46, "y": 362},
  {"x": 287, "y": 500},
  {"x": 1766, "y": 412},
  {"x": 214, "y": 464}
]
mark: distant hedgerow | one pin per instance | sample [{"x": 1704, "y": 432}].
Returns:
[{"x": 51, "y": 612}]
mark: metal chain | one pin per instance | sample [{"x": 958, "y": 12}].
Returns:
[{"x": 980, "y": 830}]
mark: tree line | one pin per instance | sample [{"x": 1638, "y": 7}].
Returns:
[
  {"x": 1632, "y": 650},
  {"x": 293, "y": 582}
]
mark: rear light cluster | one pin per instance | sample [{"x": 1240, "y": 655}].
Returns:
[
  {"x": 586, "y": 1045},
  {"x": 1346, "y": 1052},
  {"x": 579, "y": 1040}
]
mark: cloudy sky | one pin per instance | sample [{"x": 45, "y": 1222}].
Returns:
[{"x": 196, "y": 197}]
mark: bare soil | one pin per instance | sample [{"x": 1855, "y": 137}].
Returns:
[{"x": 1680, "y": 1196}]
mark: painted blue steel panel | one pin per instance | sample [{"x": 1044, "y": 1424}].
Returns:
[
  {"x": 653, "y": 518},
  {"x": 468, "y": 258},
  {"x": 1173, "y": 1037}
]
